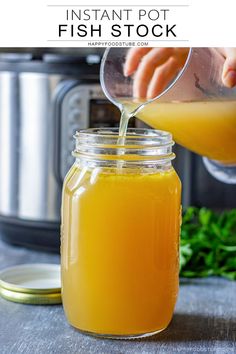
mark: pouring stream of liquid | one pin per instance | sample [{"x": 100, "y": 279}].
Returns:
[
  {"x": 124, "y": 120},
  {"x": 123, "y": 126}
]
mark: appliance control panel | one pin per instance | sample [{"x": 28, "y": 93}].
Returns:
[{"x": 83, "y": 106}]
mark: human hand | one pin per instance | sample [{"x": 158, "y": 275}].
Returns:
[
  {"x": 155, "y": 68},
  {"x": 229, "y": 68}
]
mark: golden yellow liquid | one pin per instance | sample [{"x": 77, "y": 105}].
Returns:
[
  {"x": 120, "y": 240},
  {"x": 207, "y": 128}
]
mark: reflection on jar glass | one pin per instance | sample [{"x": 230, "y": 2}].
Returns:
[{"x": 120, "y": 233}]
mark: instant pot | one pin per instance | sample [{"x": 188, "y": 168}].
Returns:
[{"x": 45, "y": 96}]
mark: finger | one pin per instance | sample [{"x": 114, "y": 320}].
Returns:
[
  {"x": 133, "y": 59},
  {"x": 146, "y": 68},
  {"x": 226, "y": 52},
  {"x": 181, "y": 55},
  {"x": 229, "y": 68},
  {"x": 163, "y": 75},
  {"x": 221, "y": 51}
]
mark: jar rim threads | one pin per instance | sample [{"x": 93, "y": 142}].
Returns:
[{"x": 139, "y": 145}]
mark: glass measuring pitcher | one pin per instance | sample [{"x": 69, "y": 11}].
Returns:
[{"x": 195, "y": 107}]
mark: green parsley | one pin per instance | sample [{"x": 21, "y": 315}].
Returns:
[{"x": 208, "y": 243}]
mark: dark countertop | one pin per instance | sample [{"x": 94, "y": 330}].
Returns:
[{"x": 204, "y": 321}]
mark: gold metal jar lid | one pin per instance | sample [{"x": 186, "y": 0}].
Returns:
[{"x": 37, "y": 283}]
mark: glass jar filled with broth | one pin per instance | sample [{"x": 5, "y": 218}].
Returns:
[{"x": 120, "y": 233}]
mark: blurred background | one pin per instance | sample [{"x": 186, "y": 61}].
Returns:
[{"x": 45, "y": 96}]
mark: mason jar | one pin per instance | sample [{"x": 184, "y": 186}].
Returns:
[{"x": 120, "y": 233}]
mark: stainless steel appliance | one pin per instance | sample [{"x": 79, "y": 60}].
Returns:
[{"x": 44, "y": 98}]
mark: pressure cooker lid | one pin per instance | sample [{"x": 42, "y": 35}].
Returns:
[
  {"x": 51, "y": 55},
  {"x": 15, "y": 57},
  {"x": 79, "y": 62},
  {"x": 67, "y": 58}
]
